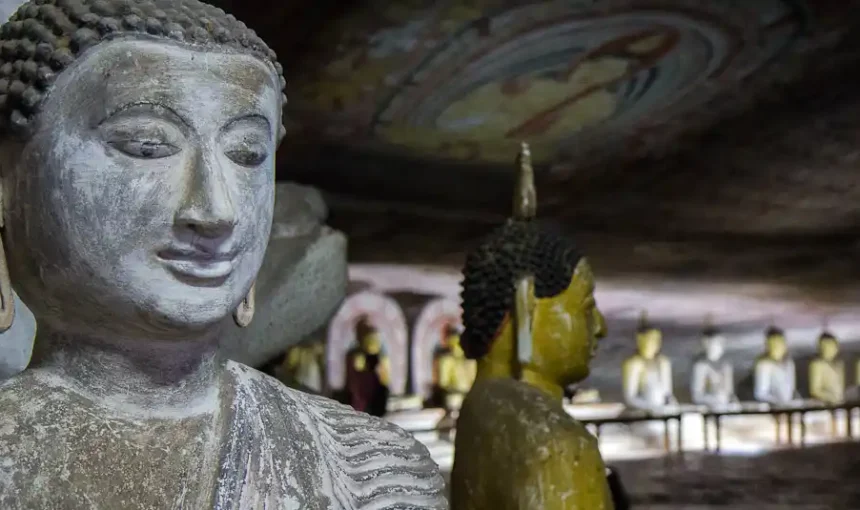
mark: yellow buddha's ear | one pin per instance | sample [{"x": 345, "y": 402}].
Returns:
[
  {"x": 525, "y": 196},
  {"x": 525, "y": 208},
  {"x": 524, "y": 305}
]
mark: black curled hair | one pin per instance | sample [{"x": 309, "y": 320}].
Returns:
[
  {"x": 826, "y": 335},
  {"x": 645, "y": 327},
  {"x": 44, "y": 37},
  {"x": 491, "y": 271},
  {"x": 364, "y": 327},
  {"x": 710, "y": 331},
  {"x": 773, "y": 331}
]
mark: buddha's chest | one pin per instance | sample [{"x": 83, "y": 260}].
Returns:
[
  {"x": 714, "y": 376},
  {"x": 61, "y": 453}
]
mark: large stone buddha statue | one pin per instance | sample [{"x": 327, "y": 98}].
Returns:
[
  {"x": 136, "y": 177},
  {"x": 532, "y": 323}
]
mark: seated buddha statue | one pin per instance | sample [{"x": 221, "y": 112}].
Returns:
[
  {"x": 712, "y": 381},
  {"x": 137, "y": 145},
  {"x": 456, "y": 372},
  {"x": 302, "y": 367},
  {"x": 647, "y": 375},
  {"x": 827, "y": 371},
  {"x": 774, "y": 377},
  {"x": 367, "y": 372},
  {"x": 532, "y": 324}
]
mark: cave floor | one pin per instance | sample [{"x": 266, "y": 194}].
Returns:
[{"x": 815, "y": 478}]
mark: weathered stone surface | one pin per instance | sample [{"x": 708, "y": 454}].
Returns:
[{"x": 76, "y": 452}]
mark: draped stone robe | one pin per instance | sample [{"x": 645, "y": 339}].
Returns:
[{"x": 260, "y": 446}]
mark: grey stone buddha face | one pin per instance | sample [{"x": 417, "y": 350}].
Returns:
[{"x": 143, "y": 201}]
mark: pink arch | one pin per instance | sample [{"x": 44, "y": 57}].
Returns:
[
  {"x": 386, "y": 315},
  {"x": 427, "y": 334}
]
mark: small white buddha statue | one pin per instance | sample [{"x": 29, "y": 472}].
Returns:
[
  {"x": 712, "y": 381},
  {"x": 647, "y": 375},
  {"x": 775, "y": 379}
]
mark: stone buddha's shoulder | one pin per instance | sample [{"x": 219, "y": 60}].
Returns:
[{"x": 377, "y": 463}]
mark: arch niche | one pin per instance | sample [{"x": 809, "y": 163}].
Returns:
[
  {"x": 384, "y": 314},
  {"x": 428, "y": 334}
]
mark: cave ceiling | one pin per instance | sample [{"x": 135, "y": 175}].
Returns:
[{"x": 684, "y": 139}]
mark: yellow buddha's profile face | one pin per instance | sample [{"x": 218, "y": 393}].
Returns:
[
  {"x": 828, "y": 348},
  {"x": 649, "y": 343},
  {"x": 566, "y": 329},
  {"x": 371, "y": 343},
  {"x": 776, "y": 348}
]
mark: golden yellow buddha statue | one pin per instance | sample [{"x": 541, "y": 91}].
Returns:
[
  {"x": 647, "y": 375},
  {"x": 302, "y": 367},
  {"x": 368, "y": 372},
  {"x": 827, "y": 371},
  {"x": 456, "y": 372},
  {"x": 532, "y": 323}
]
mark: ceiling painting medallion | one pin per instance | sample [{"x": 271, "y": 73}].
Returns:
[{"x": 467, "y": 79}]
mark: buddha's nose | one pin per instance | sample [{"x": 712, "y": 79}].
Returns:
[{"x": 207, "y": 207}]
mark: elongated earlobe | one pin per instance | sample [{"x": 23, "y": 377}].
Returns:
[
  {"x": 244, "y": 313},
  {"x": 524, "y": 303}
]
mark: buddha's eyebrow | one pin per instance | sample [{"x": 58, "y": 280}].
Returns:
[
  {"x": 254, "y": 118},
  {"x": 149, "y": 105}
]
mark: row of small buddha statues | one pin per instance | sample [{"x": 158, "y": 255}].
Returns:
[
  {"x": 367, "y": 378},
  {"x": 647, "y": 375}
]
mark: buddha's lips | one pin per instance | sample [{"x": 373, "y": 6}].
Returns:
[
  {"x": 198, "y": 264},
  {"x": 196, "y": 254}
]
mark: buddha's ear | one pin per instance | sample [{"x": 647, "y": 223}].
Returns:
[{"x": 524, "y": 305}]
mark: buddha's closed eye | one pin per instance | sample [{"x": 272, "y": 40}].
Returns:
[
  {"x": 247, "y": 153},
  {"x": 246, "y": 141},
  {"x": 144, "y": 139}
]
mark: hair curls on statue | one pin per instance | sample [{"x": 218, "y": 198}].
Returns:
[
  {"x": 489, "y": 276},
  {"x": 44, "y": 37}
]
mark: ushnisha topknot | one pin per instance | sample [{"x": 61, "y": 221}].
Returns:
[
  {"x": 44, "y": 37},
  {"x": 520, "y": 247},
  {"x": 773, "y": 331},
  {"x": 491, "y": 271},
  {"x": 645, "y": 325}
]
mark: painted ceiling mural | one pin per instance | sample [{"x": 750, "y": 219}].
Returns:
[{"x": 466, "y": 79}]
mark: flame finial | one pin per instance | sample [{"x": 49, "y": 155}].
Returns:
[{"x": 525, "y": 196}]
